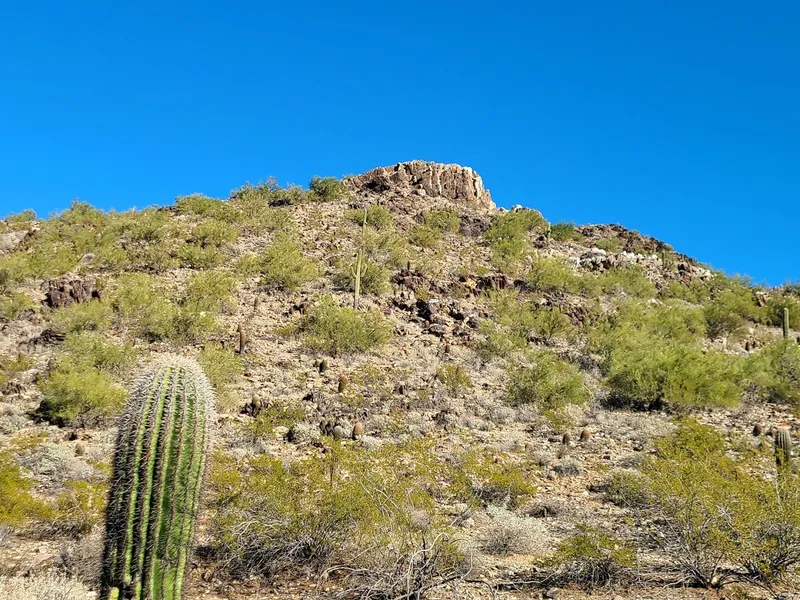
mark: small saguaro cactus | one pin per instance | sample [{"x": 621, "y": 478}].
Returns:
[
  {"x": 159, "y": 466},
  {"x": 783, "y": 447},
  {"x": 785, "y": 323}
]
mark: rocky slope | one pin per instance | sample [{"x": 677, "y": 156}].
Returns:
[{"x": 440, "y": 279}]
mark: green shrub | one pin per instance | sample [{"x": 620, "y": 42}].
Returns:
[
  {"x": 775, "y": 306},
  {"x": 13, "y": 305},
  {"x": 592, "y": 558},
  {"x": 87, "y": 350},
  {"x": 549, "y": 384},
  {"x": 653, "y": 358},
  {"x": 715, "y": 515},
  {"x": 425, "y": 236},
  {"x": 327, "y": 189},
  {"x": 144, "y": 307},
  {"x": 378, "y": 216},
  {"x": 211, "y": 292},
  {"x": 284, "y": 266},
  {"x": 17, "y": 504},
  {"x": 480, "y": 479},
  {"x": 565, "y": 232},
  {"x": 367, "y": 512},
  {"x": 79, "y": 508},
  {"x": 630, "y": 281},
  {"x": 337, "y": 329},
  {"x": 262, "y": 427},
  {"x": 79, "y": 396},
  {"x": 222, "y": 366},
  {"x": 455, "y": 378},
  {"x": 508, "y": 236},
  {"x": 374, "y": 277},
  {"x": 727, "y": 313},
  {"x": 200, "y": 205},
  {"x": 94, "y": 315},
  {"x": 445, "y": 220},
  {"x": 213, "y": 233},
  {"x": 609, "y": 244},
  {"x": 198, "y": 257},
  {"x": 774, "y": 372}
]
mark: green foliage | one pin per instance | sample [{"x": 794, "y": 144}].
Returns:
[
  {"x": 719, "y": 512},
  {"x": 262, "y": 427},
  {"x": 425, "y": 236},
  {"x": 378, "y": 216},
  {"x": 593, "y": 558},
  {"x": 609, "y": 244},
  {"x": 13, "y": 305},
  {"x": 144, "y": 306},
  {"x": 79, "y": 508},
  {"x": 210, "y": 292},
  {"x": 200, "y": 205},
  {"x": 75, "y": 395},
  {"x": 455, "y": 378},
  {"x": 159, "y": 466},
  {"x": 445, "y": 220},
  {"x": 508, "y": 236},
  {"x": 565, "y": 232},
  {"x": 94, "y": 315},
  {"x": 775, "y": 306},
  {"x": 549, "y": 384},
  {"x": 774, "y": 372},
  {"x": 327, "y": 189},
  {"x": 374, "y": 277},
  {"x": 269, "y": 516},
  {"x": 90, "y": 350},
  {"x": 480, "y": 479},
  {"x": 284, "y": 266},
  {"x": 17, "y": 504},
  {"x": 223, "y": 368},
  {"x": 654, "y": 359},
  {"x": 517, "y": 321},
  {"x": 337, "y": 329},
  {"x": 630, "y": 281},
  {"x": 213, "y": 234}
]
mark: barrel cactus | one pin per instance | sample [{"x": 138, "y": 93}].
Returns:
[
  {"x": 783, "y": 447},
  {"x": 159, "y": 466}
]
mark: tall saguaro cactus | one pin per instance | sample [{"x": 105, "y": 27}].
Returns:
[
  {"x": 786, "y": 323},
  {"x": 159, "y": 465}
]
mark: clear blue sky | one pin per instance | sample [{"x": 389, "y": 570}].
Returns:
[{"x": 679, "y": 119}]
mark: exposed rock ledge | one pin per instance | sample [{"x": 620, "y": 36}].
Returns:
[{"x": 453, "y": 182}]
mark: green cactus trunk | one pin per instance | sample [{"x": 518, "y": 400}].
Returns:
[
  {"x": 159, "y": 465},
  {"x": 783, "y": 448},
  {"x": 786, "y": 323}
]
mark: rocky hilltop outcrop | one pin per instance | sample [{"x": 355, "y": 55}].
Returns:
[{"x": 453, "y": 182}]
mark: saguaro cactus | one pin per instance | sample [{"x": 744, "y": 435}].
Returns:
[
  {"x": 786, "y": 323},
  {"x": 783, "y": 447},
  {"x": 159, "y": 465}
]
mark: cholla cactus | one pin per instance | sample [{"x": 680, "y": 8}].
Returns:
[{"x": 159, "y": 465}]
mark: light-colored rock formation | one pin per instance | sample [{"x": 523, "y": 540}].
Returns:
[{"x": 453, "y": 182}]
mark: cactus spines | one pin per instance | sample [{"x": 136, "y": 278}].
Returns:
[
  {"x": 159, "y": 466},
  {"x": 758, "y": 430},
  {"x": 785, "y": 323},
  {"x": 783, "y": 447}
]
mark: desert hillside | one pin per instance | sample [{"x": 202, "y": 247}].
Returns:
[{"x": 507, "y": 407}]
